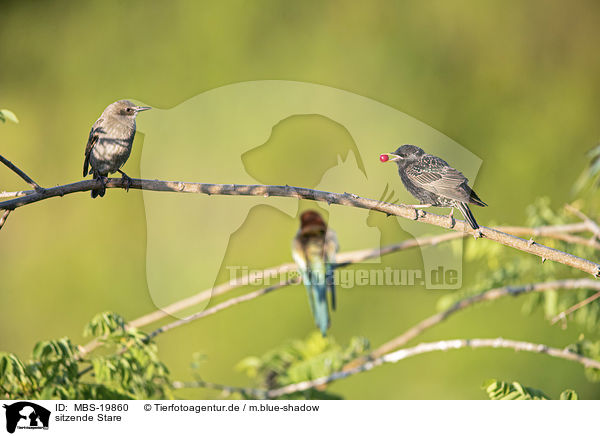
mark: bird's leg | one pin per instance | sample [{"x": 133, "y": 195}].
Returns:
[
  {"x": 451, "y": 216},
  {"x": 102, "y": 178},
  {"x": 127, "y": 180}
]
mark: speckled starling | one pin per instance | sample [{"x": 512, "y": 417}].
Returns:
[
  {"x": 433, "y": 182},
  {"x": 110, "y": 142}
]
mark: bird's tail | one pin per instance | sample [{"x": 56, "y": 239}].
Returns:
[
  {"x": 316, "y": 286},
  {"x": 468, "y": 215},
  {"x": 474, "y": 199},
  {"x": 98, "y": 192}
]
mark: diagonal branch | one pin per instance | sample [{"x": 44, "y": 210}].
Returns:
[
  {"x": 4, "y": 217},
  {"x": 396, "y": 356},
  {"x": 345, "y": 199},
  {"x": 224, "y": 305},
  {"x": 251, "y": 392},
  {"x": 343, "y": 259},
  {"x": 492, "y": 294},
  {"x": 595, "y": 228},
  {"x": 21, "y": 174},
  {"x": 563, "y": 314},
  {"x": 455, "y": 344}
]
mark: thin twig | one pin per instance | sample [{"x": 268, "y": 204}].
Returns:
[
  {"x": 202, "y": 314},
  {"x": 21, "y": 174},
  {"x": 207, "y": 294},
  {"x": 343, "y": 259},
  {"x": 251, "y": 392},
  {"x": 563, "y": 314},
  {"x": 4, "y": 218},
  {"x": 574, "y": 239},
  {"x": 595, "y": 228},
  {"x": 492, "y": 294},
  {"x": 346, "y": 199},
  {"x": 396, "y": 356},
  {"x": 221, "y": 306}
]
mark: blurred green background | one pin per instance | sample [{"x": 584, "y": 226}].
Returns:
[{"x": 514, "y": 82}]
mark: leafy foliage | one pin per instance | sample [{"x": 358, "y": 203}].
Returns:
[
  {"x": 5, "y": 115},
  {"x": 299, "y": 360},
  {"x": 504, "y": 267},
  {"x": 591, "y": 349},
  {"x": 590, "y": 177},
  {"x": 130, "y": 370},
  {"x": 500, "y": 390}
]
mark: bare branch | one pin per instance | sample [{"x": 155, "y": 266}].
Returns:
[
  {"x": 4, "y": 218},
  {"x": 21, "y": 174},
  {"x": 396, "y": 356},
  {"x": 251, "y": 392},
  {"x": 207, "y": 294},
  {"x": 546, "y": 253},
  {"x": 455, "y": 344},
  {"x": 594, "y": 227},
  {"x": 221, "y": 306},
  {"x": 344, "y": 259},
  {"x": 202, "y": 314},
  {"x": 574, "y": 239},
  {"x": 492, "y": 294},
  {"x": 563, "y": 314}
]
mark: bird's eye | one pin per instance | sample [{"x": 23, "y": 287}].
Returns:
[{"x": 129, "y": 110}]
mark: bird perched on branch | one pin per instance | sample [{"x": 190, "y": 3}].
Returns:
[
  {"x": 110, "y": 142},
  {"x": 433, "y": 182},
  {"x": 314, "y": 249}
]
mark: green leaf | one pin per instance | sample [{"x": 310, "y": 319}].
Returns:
[
  {"x": 301, "y": 360},
  {"x": 5, "y": 114},
  {"x": 499, "y": 390},
  {"x": 569, "y": 394}
]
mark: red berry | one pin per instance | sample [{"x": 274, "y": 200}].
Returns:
[{"x": 384, "y": 157}]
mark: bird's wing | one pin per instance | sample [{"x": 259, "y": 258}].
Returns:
[
  {"x": 298, "y": 254},
  {"x": 331, "y": 248},
  {"x": 309, "y": 255},
  {"x": 92, "y": 140},
  {"x": 435, "y": 175}
]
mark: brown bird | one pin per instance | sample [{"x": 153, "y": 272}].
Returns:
[
  {"x": 314, "y": 249},
  {"x": 110, "y": 141}
]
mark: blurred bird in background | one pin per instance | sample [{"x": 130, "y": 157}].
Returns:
[
  {"x": 314, "y": 249},
  {"x": 110, "y": 141},
  {"x": 433, "y": 182}
]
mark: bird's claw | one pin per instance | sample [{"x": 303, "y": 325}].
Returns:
[
  {"x": 103, "y": 180},
  {"x": 127, "y": 180}
]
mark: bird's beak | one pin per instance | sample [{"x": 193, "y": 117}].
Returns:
[
  {"x": 393, "y": 157},
  {"x": 142, "y": 108}
]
